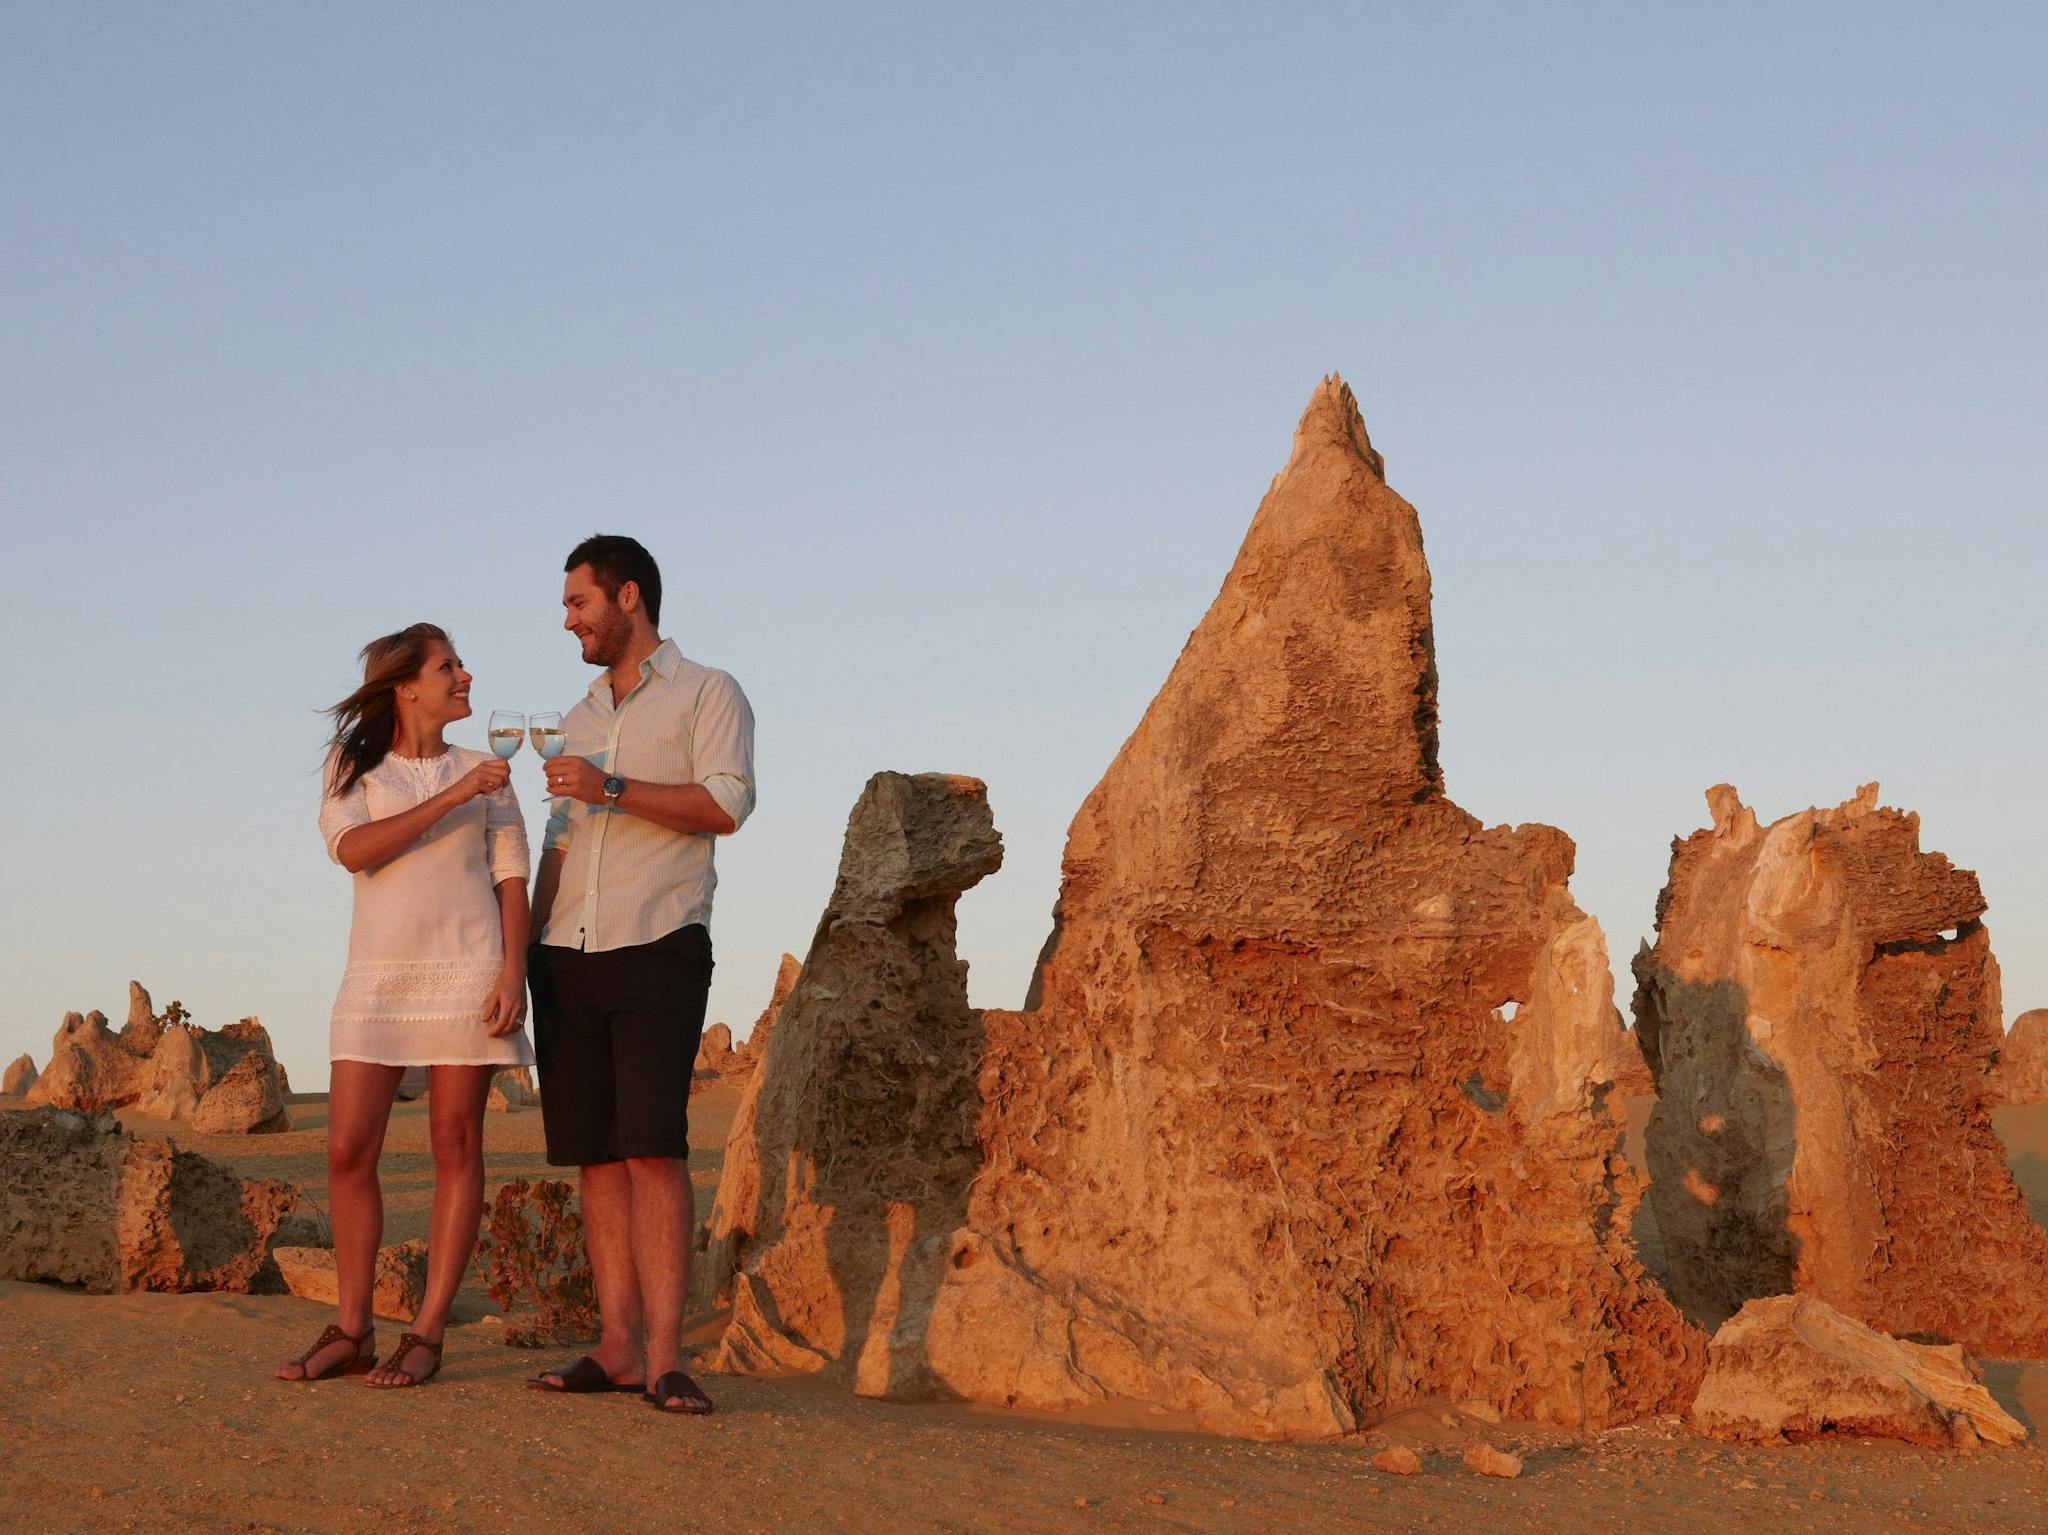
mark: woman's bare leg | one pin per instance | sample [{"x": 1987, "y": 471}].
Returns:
[
  {"x": 359, "y": 1095},
  {"x": 455, "y": 1122}
]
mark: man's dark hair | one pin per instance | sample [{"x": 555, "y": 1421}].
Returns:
[{"x": 615, "y": 559}]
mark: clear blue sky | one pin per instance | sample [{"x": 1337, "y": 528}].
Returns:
[{"x": 942, "y": 356}]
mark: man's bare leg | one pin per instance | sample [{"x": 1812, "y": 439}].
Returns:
[
  {"x": 607, "y": 1201},
  {"x": 664, "y": 1216}
]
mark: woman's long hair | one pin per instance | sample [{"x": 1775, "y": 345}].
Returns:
[{"x": 366, "y": 721}]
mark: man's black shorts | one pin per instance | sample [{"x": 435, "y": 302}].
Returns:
[{"x": 615, "y": 1035}]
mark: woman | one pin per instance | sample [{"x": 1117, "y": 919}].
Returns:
[{"x": 436, "y": 977}]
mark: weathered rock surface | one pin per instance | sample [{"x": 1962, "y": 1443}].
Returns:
[
  {"x": 91, "y": 1067},
  {"x": 163, "y": 1070},
  {"x": 1487, "y": 1461},
  {"x": 1265, "y": 1147},
  {"x": 399, "y": 1283},
  {"x": 1821, "y": 1012},
  {"x": 82, "y": 1203},
  {"x": 714, "y": 1050},
  {"x": 2021, "y": 1075},
  {"x": 515, "y": 1083},
  {"x": 717, "y": 1061},
  {"x": 247, "y": 1101},
  {"x": 1398, "y": 1460},
  {"x": 786, "y": 975},
  {"x": 20, "y": 1077},
  {"x": 1793, "y": 1367},
  {"x": 1625, "y": 1067},
  {"x": 858, "y": 1134}
]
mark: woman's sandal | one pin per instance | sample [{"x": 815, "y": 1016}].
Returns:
[
  {"x": 406, "y": 1344},
  {"x": 583, "y": 1377},
  {"x": 692, "y": 1398},
  {"x": 358, "y": 1363}
]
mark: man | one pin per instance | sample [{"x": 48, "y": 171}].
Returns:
[{"x": 658, "y": 764}]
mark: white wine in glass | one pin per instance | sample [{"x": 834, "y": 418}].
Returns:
[
  {"x": 506, "y": 732},
  {"x": 548, "y": 740}
]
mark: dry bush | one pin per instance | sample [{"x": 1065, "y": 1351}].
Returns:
[{"x": 532, "y": 1258}]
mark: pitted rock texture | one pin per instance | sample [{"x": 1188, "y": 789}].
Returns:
[
  {"x": 20, "y": 1077},
  {"x": 1792, "y": 1367},
  {"x": 846, "y": 1171},
  {"x": 1266, "y": 1146},
  {"x": 1821, "y": 1012},
  {"x": 164, "y": 1070},
  {"x": 715, "y": 1048},
  {"x": 786, "y": 975},
  {"x": 82, "y": 1203},
  {"x": 2021, "y": 1075},
  {"x": 514, "y": 1086},
  {"x": 246, "y": 1101},
  {"x": 398, "y": 1282}
]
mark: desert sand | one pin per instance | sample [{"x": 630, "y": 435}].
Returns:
[{"x": 154, "y": 1412}]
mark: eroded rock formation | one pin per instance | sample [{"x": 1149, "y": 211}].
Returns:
[
  {"x": 511, "y": 1089},
  {"x": 1265, "y": 1146},
  {"x": 85, "y": 1204},
  {"x": 163, "y": 1069},
  {"x": 2021, "y": 1075},
  {"x": 717, "y": 1061},
  {"x": 856, "y": 1138},
  {"x": 1792, "y": 1367},
  {"x": 398, "y": 1283},
  {"x": 755, "y": 1045},
  {"x": 20, "y": 1077},
  {"x": 1821, "y": 1012}
]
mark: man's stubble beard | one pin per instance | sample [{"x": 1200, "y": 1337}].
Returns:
[{"x": 609, "y": 638}]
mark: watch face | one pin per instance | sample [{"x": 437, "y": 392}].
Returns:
[{"x": 614, "y": 786}]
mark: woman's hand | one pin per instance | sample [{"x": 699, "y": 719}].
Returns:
[
  {"x": 506, "y": 1009},
  {"x": 487, "y": 777}
]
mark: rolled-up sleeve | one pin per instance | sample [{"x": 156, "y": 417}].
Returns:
[
  {"x": 340, "y": 813},
  {"x": 505, "y": 837},
  {"x": 554, "y": 837},
  {"x": 722, "y": 744}
]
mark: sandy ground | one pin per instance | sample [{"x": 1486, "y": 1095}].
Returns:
[{"x": 149, "y": 1412}]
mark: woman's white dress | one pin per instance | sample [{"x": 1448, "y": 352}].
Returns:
[{"x": 425, "y": 946}]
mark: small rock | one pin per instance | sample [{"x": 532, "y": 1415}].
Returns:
[
  {"x": 399, "y": 1283},
  {"x": 1398, "y": 1460},
  {"x": 20, "y": 1077},
  {"x": 1155, "y": 1499},
  {"x": 1485, "y": 1412},
  {"x": 1488, "y": 1461},
  {"x": 1791, "y": 1367}
]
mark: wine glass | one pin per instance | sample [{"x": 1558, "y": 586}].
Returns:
[
  {"x": 546, "y": 730},
  {"x": 507, "y": 730}
]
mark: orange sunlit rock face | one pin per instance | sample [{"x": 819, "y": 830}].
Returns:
[
  {"x": 1823, "y": 995},
  {"x": 1306, "y": 1118},
  {"x": 1269, "y": 1147}
]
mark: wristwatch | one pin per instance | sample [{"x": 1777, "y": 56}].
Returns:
[{"x": 613, "y": 786}]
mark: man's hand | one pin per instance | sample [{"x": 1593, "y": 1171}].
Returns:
[
  {"x": 576, "y": 778},
  {"x": 506, "y": 1009}
]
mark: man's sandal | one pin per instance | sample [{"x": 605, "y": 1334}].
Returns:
[
  {"x": 357, "y": 1363},
  {"x": 406, "y": 1344},
  {"x": 691, "y": 1397},
  {"x": 584, "y": 1377}
]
